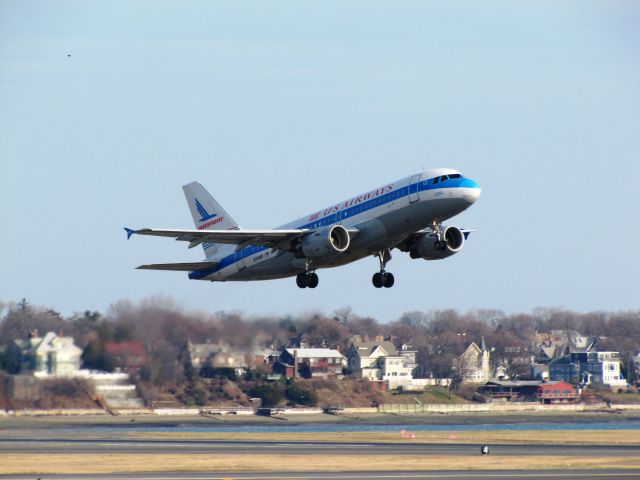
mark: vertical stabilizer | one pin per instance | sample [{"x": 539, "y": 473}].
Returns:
[{"x": 207, "y": 213}]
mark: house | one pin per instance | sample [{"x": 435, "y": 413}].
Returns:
[
  {"x": 127, "y": 356},
  {"x": 199, "y": 353},
  {"x": 558, "y": 343},
  {"x": 510, "y": 390},
  {"x": 473, "y": 365},
  {"x": 602, "y": 368},
  {"x": 380, "y": 361},
  {"x": 205, "y": 357},
  {"x": 557, "y": 392},
  {"x": 310, "y": 363},
  {"x": 636, "y": 368},
  {"x": 51, "y": 355},
  {"x": 540, "y": 371}
]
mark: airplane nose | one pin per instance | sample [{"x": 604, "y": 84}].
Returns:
[{"x": 472, "y": 190}]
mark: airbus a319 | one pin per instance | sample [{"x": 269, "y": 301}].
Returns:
[{"x": 406, "y": 215}]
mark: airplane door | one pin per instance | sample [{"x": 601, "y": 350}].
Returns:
[
  {"x": 239, "y": 261},
  {"x": 413, "y": 189}
]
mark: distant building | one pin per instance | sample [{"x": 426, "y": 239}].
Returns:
[
  {"x": 206, "y": 357},
  {"x": 601, "y": 368},
  {"x": 200, "y": 353},
  {"x": 540, "y": 371},
  {"x": 510, "y": 390},
  {"x": 310, "y": 363},
  {"x": 54, "y": 355},
  {"x": 636, "y": 368},
  {"x": 557, "y": 392},
  {"x": 380, "y": 361},
  {"x": 127, "y": 356},
  {"x": 473, "y": 365},
  {"x": 557, "y": 343}
]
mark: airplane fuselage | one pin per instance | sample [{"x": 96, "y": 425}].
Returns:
[{"x": 382, "y": 219}]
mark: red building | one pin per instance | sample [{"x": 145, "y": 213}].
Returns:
[
  {"x": 557, "y": 392},
  {"x": 128, "y": 356}
]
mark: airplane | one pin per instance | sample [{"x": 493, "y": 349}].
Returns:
[{"x": 406, "y": 215}]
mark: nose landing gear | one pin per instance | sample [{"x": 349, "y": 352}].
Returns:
[{"x": 383, "y": 278}]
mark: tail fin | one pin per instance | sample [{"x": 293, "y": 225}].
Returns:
[{"x": 207, "y": 213}]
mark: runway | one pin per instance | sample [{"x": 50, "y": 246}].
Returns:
[
  {"x": 436, "y": 474},
  {"x": 51, "y": 446}
]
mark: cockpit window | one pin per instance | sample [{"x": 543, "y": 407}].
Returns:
[
  {"x": 455, "y": 175},
  {"x": 443, "y": 178},
  {"x": 436, "y": 180}
]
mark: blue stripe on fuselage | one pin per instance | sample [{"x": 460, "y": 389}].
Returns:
[{"x": 422, "y": 186}]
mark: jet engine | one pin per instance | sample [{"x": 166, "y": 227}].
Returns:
[
  {"x": 430, "y": 248},
  {"x": 326, "y": 243}
]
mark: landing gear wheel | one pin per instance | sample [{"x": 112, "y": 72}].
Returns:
[
  {"x": 302, "y": 280},
  {"x": 312, "y": 280},
  {"x": 382, "y": 278}
]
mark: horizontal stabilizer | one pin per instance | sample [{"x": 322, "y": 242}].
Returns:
[{"x": 179, "y": 267}]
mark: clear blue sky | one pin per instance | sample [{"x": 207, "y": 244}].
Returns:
[{"x": 281, "y": 108}]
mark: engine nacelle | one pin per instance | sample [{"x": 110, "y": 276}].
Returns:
[
  {"x": 326, "y": 243},
  {"x": 428, "y": 247}
]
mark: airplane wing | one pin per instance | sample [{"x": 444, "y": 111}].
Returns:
[
  {"x": 243, "y": 238},
  {"x": 465, "y": 231},
  {"x": 179, "y": 267}
]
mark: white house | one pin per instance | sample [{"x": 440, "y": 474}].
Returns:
[
  {"x": 52, "y": 354},
  {"x": 473, "y": 365},
  {"x": 607, "y": 367},
  {"x": 380, "y": 361}
]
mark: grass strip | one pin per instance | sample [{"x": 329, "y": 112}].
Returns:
[{"x": 45, "y": 464}]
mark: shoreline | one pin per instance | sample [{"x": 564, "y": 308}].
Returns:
[{"x": 151, "y": 421}]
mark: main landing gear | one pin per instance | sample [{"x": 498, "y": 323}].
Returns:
[
  {"x": 307, "y": 279},
  {"x": 440, "y": 244},
  {"x": 383, "y": 278}
]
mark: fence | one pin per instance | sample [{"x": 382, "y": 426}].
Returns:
[{"x": 500, "y": 408}]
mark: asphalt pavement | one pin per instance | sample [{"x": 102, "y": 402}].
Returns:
[{"x": 158, "y": 446}]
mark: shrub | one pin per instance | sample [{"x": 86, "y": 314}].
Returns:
[
  {"x": 270, "y": 394},
  {"x": 297, "y": 394}
]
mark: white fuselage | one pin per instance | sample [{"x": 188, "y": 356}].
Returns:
[{"x": 383, "y": 218}]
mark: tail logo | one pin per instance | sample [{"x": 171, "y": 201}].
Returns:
[{"x": 203, "y": 212}]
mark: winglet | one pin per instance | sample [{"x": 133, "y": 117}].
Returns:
[{"x": 129, "y": 232}]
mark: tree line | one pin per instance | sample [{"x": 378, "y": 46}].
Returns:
[{"x": 438, "y": 336}]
